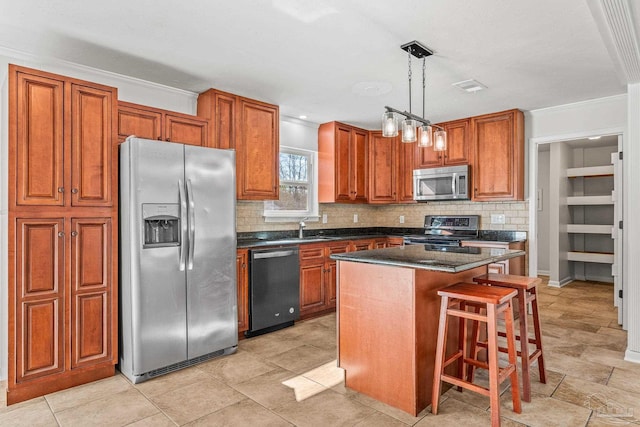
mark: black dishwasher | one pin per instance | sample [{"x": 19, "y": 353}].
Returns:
[{"x": 274, "y": 289}]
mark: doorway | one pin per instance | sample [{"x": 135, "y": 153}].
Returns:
[{"x": 576, "y": 206}]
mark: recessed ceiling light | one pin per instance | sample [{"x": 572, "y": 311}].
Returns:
[
  {"x": 470, "y": 85},
  {"x": 302, "y": 117},
  {"x": 594, "y": 137}
]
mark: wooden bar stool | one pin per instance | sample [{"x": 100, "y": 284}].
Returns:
[
  {"x": 527, "y": 293},
  {"x": 495, "y": 300}
]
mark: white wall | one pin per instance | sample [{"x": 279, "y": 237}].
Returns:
[
  {"x": 297, "y": 133},
  {"x": 4, "y": 212},
  {"x": 543, "y": 213},
  {"x": 559, "y": 215}
]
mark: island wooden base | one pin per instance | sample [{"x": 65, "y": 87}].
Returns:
[{"x": 387, "y": 330}]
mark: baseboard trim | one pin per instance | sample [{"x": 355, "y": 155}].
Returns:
[
  {"x": 632, "y": 356},
  {"x": 561, "y": 283}
]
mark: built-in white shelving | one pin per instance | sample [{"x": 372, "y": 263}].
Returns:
[
  {"x": 591, "y": 171},
  {"x": 603, "y": 258},
  {"x": 589, "y": 200},
  {"x": 589, "y": 228}
]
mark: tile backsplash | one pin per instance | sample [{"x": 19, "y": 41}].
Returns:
[{"x": 516, "y": 215}]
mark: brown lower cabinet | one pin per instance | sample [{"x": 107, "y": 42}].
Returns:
[
  {"x": 318, "y": 276},
  {"x": 243, "y": 290}
]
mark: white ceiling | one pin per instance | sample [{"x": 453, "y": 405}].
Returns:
[{"x": 309, "y": 55}]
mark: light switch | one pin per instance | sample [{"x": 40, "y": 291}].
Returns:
[
  {"x": 324, "y": 218},
  {"x": 401, "y": 219},
  {"x": 355, "y": 217}
]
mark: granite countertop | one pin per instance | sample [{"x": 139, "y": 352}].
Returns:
[
  {"x": 289, "y": 237},
  {"x": 450, "y": 260}
]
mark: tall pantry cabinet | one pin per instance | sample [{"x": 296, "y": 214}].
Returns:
[{"x": 62, "y": 233}]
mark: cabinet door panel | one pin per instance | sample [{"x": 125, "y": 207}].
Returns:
[
  {"x": 427, "y": 158},
  {"x": 457, "y": 143},
  {"x": 91, "y": 311},
  {"x": 258, "y": 151},
  {"x": 312, "y": 291},
  {"x": 186, "y": 130},
  {"x": 223, "y": 124},
  {"x": 383, "y": 168},
  {"x": 498, "y": 156},
  {"x": 39, "y": 141},
  {"x": 360, "y": 165},
  {"x": 91, "y": 343},
  {"x": 141, "y": 123},
  {"x": 39, "y": 298},
  {"x": 342, "y": 167},
  {"x": 91, "y": 146},
  {"x": 243, "y": 290},
  {"x": 406, "y": 156}
]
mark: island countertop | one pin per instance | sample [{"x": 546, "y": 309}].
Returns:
[{"x": 449, "y": 259}]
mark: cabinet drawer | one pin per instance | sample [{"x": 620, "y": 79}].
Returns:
[
  {"x": 311, "y": 253},
  {"x": 337, "y": 249}
]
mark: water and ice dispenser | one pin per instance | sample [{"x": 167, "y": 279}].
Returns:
[{"x": 161, "y": 225}]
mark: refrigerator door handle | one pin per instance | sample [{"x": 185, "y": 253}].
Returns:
[
  {"x": 192, "y": 225},
  {"x": 183, "y": 224}
]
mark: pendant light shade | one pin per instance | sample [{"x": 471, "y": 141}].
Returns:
[
  {"x": 440, "y": 140},
  {"x": 409, "y": 130},
  {"x": 425, "y": 136},
  {"x": 389, "y": 124}
]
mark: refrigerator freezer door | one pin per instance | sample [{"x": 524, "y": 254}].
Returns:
[
  {"x": 158, "y": 295},
  {"x": 212, "y": 319}
]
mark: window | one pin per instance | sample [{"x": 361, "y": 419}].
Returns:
[{"x": 297, "y": 187}]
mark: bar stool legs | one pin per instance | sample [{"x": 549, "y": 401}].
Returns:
[
  {"x": 527, "y": 293},
  {"x": 454, "y": 303}
]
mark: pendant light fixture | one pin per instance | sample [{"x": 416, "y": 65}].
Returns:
[{"x": 414, "y": 128}]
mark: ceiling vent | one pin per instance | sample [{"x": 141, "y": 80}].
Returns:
[{"x": 471, "y": 86}]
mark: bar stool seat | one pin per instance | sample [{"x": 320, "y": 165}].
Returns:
[
  {"x": 455, "y": 301},
  {"x": 527, "y": 293}
]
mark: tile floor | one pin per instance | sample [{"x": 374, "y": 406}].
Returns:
[{"x": 584, "y": 350}]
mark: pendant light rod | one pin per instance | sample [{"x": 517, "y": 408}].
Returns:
[{"x": 411, "y": 116}]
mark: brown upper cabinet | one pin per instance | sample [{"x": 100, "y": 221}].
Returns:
[
  {"x": 390, "y": 169},
  {"x": 343, "y": 162},
  {"x": 457, "y": 152},
  {"x": 154, "y": 123},
  {"x": 498, "y": 156},
  {"x": 62, "y": 141},
  {"x": 251, "y": 128}
]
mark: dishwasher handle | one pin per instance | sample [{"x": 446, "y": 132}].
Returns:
[{"x": 273, "y": 254}]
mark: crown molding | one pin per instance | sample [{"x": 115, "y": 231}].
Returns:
[{"x": 615, "y": 21}]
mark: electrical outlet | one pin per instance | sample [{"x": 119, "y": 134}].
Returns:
[
  {"x": 355, "y": 217},
  {"x": 498, "y": 219},
  {"x": 401, "y": 219},
  {"x": 324, "y": 218}
]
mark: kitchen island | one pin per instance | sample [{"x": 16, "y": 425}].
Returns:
[{"x": 387, "y": 313}]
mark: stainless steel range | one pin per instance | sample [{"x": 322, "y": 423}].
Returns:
[{"x": 445, "y": 231}]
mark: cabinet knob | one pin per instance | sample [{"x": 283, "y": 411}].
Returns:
[
  {"x": 74, "y": 190},
  {"x": 60, "y": 189},
  {"x": 74, "y": 233},
  {"x": 244, "y": 265},
  {"x": 60, "y": 233}
]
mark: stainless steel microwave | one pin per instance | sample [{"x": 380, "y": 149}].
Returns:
[{"x": 449, "y": 183}]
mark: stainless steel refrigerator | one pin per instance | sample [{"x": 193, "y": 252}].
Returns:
[{"x": 178, "y": 300}]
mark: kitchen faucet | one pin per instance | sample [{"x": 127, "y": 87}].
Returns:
[{"x": 301, "y": 227}]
